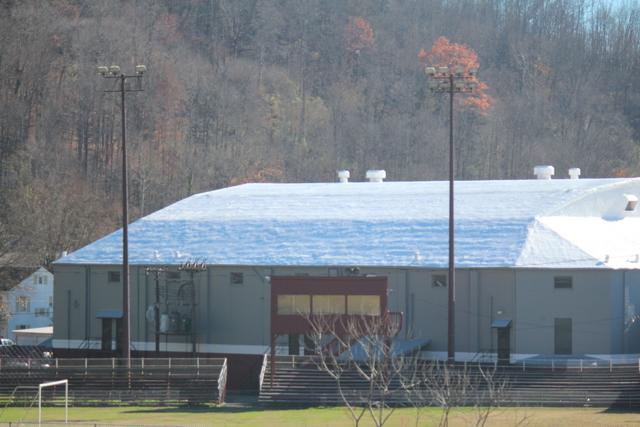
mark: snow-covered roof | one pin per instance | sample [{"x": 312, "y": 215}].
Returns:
[{"x": 519, "y": 223}]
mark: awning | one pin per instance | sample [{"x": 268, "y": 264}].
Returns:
[
  {"x": 501, "y": 323},
  {"x": 110, "y": 314}
]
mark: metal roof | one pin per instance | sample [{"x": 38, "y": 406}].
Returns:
[{"x": 559, "y": 223}]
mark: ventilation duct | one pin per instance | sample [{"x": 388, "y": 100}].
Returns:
[
  {"x": 574, "y": 173},
  {"x": 344, "y": 175},
  {"x": 376, "y": 175},
  {"x": 544, "y": 171}
]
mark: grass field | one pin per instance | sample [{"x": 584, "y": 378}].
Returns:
[{"x": 333, "y": 417}]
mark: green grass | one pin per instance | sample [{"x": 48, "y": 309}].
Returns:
[{"x": 228, "y": 416}]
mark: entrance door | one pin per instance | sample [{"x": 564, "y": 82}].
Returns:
[
  {"x": 504, "y": 353},
  {"x": 107, "y": 334},
  {"x": 563, "y": 336}
]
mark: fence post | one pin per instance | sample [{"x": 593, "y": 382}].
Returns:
[
  {"x": 580, "y": 365},
  {"x": 142, "y": 365},
  {"x": 523, "y": 365},
  {"x": 638, "y": 364},
  {"x": 553, "y": 365},
  {"x": 610, "y": 365},
  {"x": 293, "y": 361}
]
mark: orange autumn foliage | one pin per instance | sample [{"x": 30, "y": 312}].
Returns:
[
  {"x": 359, "y": 34},
  {"x": 445, "y": 53}
]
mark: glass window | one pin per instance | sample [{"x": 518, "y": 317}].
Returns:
[
  {"x": 329, "y": 304},
  {"x": 113, "y": 277},
  {"x": 294, "y": 304},
  {"x": 563, "y": 282},
  {"x": 364, "y": 304},
  {"x": 439, "y": 281},
  {"x": 236, "y": 278},
  {"x": 22, "y": 304}
]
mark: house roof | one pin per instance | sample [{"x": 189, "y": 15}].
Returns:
[
  {"x": 44, "y": 330},
  {"x": 510, "y": 223}
]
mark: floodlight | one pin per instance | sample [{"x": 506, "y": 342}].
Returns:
[
  {"x": 459, "y": 70},
  {"x": 473, "y": 72},
  {"x": 141, "y": 69},
  {"x": 114, "y": 69},
  {"x": 430, "y": 71},
  {"x": 102, "y": 70},
  {"x": 443, "y": 70}
]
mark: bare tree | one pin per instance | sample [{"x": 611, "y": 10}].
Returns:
[{"x": 360, "y": 345}]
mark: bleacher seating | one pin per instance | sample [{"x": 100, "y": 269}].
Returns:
[
  {"x": 298, "y": 380},
  {"x": 107, "y": 381}
]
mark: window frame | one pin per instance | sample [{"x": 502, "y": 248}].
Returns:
[
  {"x": 236, "y": 278},
  {"x": 111, "y": 275},
  {"x": 23, "y": 304},
  {"x": 439, "y": 278},
  {"x": 563, "y": 282}
]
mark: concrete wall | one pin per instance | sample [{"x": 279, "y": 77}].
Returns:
[{"x": 234, "y": 318}]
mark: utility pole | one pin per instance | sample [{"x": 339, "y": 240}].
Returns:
[{"x": 113, "y": 72}]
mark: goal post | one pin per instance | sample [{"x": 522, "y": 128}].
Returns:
[{"x": 66, "y": 398}]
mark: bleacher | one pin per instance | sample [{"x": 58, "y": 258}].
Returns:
[
  {"x": 109, "y": 381},
  {"x": 298, "y": 380}
]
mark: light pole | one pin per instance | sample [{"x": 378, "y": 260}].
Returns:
[
  {"x": 113, "y": 72},
  {"x": 457, "y": 80}
]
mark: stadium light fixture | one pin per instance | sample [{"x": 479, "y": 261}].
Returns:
[{"x": 451, "y": 80}]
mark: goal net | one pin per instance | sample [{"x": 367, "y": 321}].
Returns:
[{"x": 66, "y": 398}]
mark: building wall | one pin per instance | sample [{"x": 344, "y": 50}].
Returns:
[
  {"x": 234, "y": 318},
  {"x": 588, "y": 303}
]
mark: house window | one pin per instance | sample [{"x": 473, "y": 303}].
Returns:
[
  {"x": 40, "y": 280},
  {"x": 41, "y": 311},
  {"x": 439, "y": 280},
  {"x": 363, "y": 305},
  {"x": 23, "y": 327},
  {"x": 294, "y": 304},
  {"x": 329, "y": 304},
  {"x": 22, "y": 304},
  {"x": 113, "y": 277},
  {"x": 563, "y": 282},
  {"x": 236, "y": 278}
]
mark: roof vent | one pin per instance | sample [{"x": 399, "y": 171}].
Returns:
[
  {"x": 574, "y": 173},
  {"x": 378, "y": 175},
  {"x": 632, "y": 202},
  {"x": 544, "y": 172},
  {"x": 344, "y": 175}
]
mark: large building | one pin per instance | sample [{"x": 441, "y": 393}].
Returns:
[{"x": 552, "y": 263}]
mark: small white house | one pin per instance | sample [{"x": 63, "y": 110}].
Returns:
[
  {"x": 33, "y": 336},
  {"x": 26, "y": 299}
]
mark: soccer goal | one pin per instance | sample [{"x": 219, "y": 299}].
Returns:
[{"x": 66, "y": 398}]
